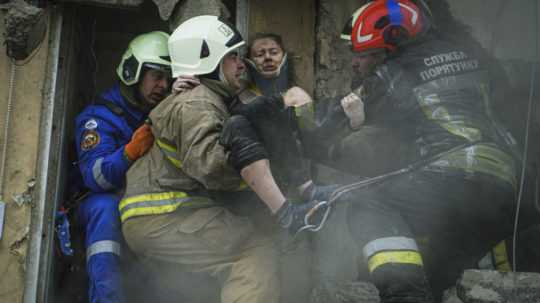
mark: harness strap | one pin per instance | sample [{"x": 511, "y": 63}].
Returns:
[{"x": 115, "y": 109}]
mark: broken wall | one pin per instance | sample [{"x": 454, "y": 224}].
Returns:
[
  {"x": 21, "y": 158},
  {"x": 295, "y": 22},
  {"x": 332, "y": 61}
]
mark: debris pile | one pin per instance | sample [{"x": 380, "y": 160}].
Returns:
[{"x": 483, "y": 286}]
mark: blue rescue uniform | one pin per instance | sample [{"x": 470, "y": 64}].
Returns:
[{"x": 101, "y": 133}]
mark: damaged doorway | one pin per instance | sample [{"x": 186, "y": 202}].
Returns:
[{"x": 92, "y": 40}]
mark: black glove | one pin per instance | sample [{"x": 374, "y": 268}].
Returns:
[
  {"x": 319, "y": 192},
  {"x": 267, "y": 107},
  {"x": 241, "y": 140},
  {"x": 292, "y": 215}
]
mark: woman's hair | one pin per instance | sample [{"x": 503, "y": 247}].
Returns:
[{"x": 258, "y": 36}]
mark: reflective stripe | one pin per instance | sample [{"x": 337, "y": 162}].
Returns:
[
  {"x": 243, "y": 186},
  {"x": 99, "y": 177},
  {"x": 105, "y": 246},
  {"x": 159, "y": 203},
  {"x": 432, "y": 108},
  {"x": 170, "y": 152},
  {"x": 389, "y": 243},
  {"x": 500, "y": 256},
  {"x": 482, "y": 158},
  {"x": 400, "y": 257}
]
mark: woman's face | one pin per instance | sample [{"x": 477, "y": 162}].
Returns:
[{"x": 267, "y": 56}]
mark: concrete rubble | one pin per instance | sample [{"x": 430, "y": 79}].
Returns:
[
  {"x": 165, "y": 7},
  {"x": 483, "y": 286},
  {"x": 333, "y": 56},
  {"x": 25, "y": 28},
  {"x": 120, "y": 3},
  {"x": 345, "y": 292},
  {"x": 191, "y": 8},
  {"x": 176, "y": 11}
]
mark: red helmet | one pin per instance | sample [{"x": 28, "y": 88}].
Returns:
[{"x": 383, "y": 24}]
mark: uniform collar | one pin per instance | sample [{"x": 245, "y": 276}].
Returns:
[{"x": 220, "y": 88}]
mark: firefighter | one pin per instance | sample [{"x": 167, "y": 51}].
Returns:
[
  {"x": 110, "y": 136},
  {"x": 450, "y": 177},
  {"x": 269, "y": 75},
  {"x": 171, "y": 210}
]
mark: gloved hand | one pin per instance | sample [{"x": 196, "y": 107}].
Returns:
[
  {"x": 296, "y": 97},
  {"x": 318, "y": 192},
  {"x": 353, "y": 106},
  {"x": 261, "y": 107},
  {"x": 292, "y": 216},
  {"x": 185, "y": 83},
  {"x": 239, "y": 137},
  {"x": 140, "y": 143}
]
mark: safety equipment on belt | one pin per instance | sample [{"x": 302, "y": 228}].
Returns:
[
  {"x": 147, "y": 50},
  {"x": 297, "y": 217},
  {"x": 239, "y": 137},
  {"x": 198, "y": 45},
  {"x": 383, "y": 25},
  {"x": 140, "y": 143}
]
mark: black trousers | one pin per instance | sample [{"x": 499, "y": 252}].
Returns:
[{"x": 455, "y": 217}]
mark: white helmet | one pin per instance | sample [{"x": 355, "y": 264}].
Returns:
[
  {"x": 199, "y": 44},
  {"x": 148, "y": 49}
]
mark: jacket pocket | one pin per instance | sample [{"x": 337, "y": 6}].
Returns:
[{"x": 218, "y": 228}]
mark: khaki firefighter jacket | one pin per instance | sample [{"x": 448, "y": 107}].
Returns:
[{"x": 186, "y": 163}]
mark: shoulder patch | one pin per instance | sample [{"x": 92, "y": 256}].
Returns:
[
  {"x": 90, "y": 140},
  {"x": 91, "y": 124}
]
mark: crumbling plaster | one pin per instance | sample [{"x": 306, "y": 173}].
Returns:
[{"x": 21, "y": 159}]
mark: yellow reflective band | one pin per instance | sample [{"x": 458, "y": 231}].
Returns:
[
  {"x": 243, "y": 186},
  {"x": 158, "y": 203},
  {"x": 434, "y": 111},
  {"x": 482, "y": 158},
  {"x": 402, "y": 257},
  {"x": 500, "y": 257},
  {"x": 144, "y": 211},
  {"x": 170, "y": 153},
  {"x": 165, "y": 146},
  {"x": 175, "y": 162},
  {"x": 152, "y": 197}
]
